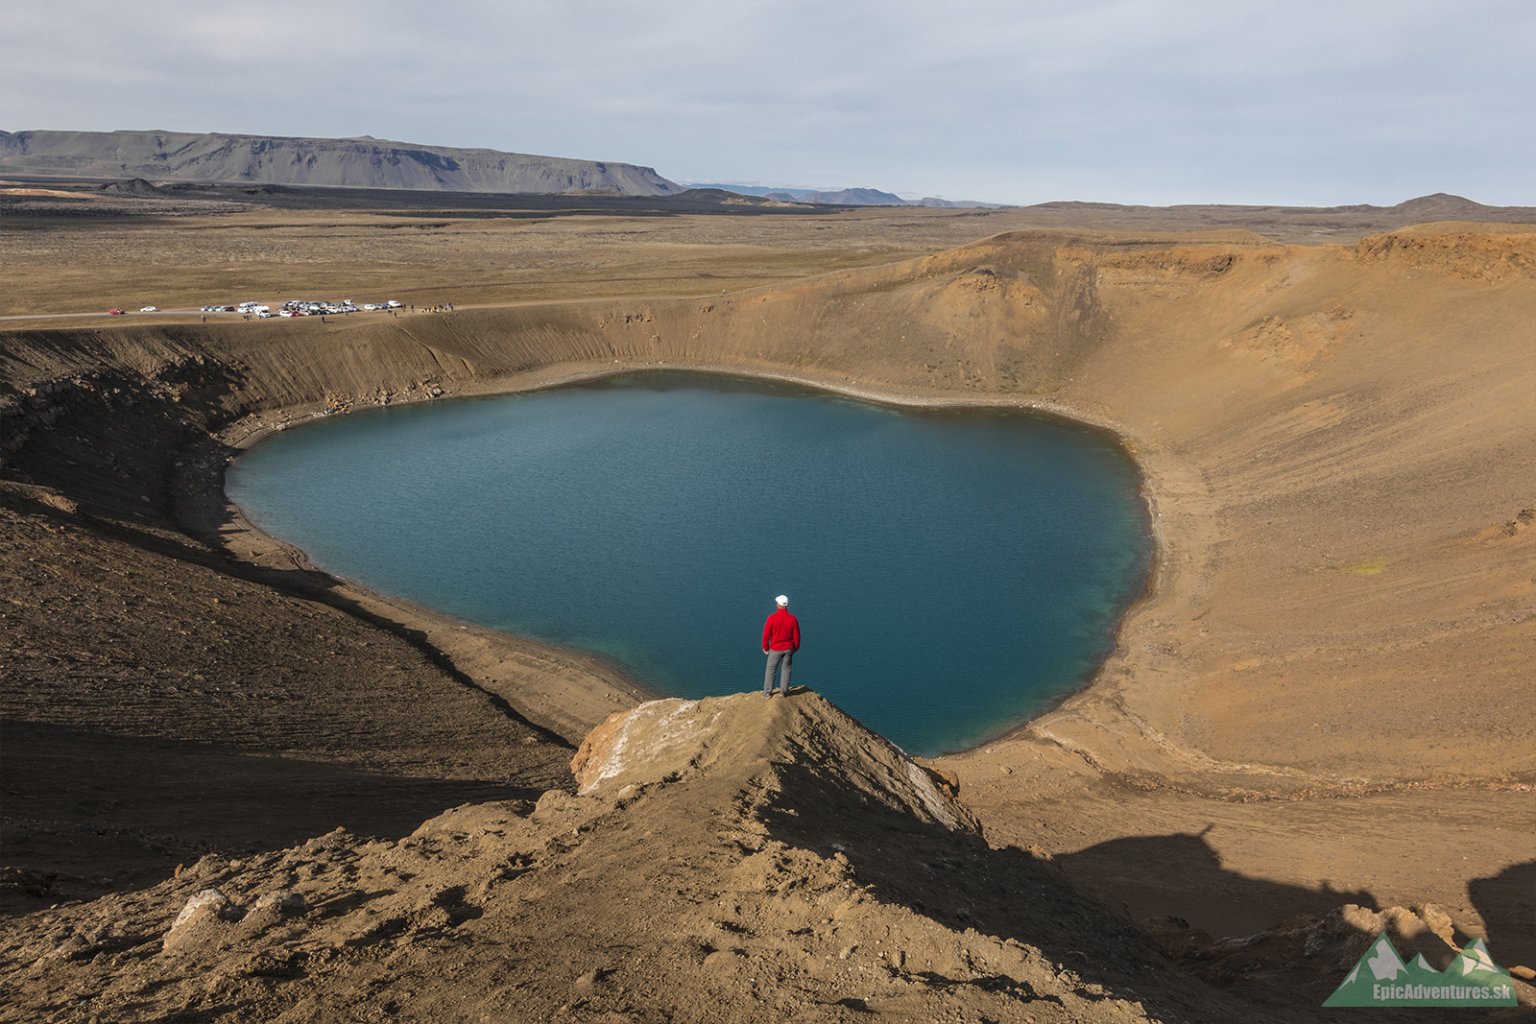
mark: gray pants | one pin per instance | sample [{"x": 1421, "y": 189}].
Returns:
[{"x": 783, "y": 661}]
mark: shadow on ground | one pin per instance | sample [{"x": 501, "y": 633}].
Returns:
[
  {"x": 1507, "y": 904},
  {"x": 1156, "y": 874},
  {"x": 85, "y": 813},
  {"x": 956, "y": 878}
]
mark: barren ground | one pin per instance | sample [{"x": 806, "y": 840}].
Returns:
[{"x": 1322, "y": 700}]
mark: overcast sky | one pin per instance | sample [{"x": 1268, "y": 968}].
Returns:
[{"x": 1144, "y": 101}]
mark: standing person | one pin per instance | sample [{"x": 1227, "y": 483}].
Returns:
[{"x": 781, "y": 639}]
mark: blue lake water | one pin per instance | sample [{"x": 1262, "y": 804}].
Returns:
[{"x": 953, "y": 572}]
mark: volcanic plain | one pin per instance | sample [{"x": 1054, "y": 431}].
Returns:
[{"x": 1316, "y": 723}]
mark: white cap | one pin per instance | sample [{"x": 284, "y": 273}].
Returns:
[{"x": 782, "y": 601}]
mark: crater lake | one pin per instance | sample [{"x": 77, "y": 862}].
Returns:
[{"x": 955, "y": 571}]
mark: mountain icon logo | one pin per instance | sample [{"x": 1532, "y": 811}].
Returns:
[{"x": 1380, "y": 978}]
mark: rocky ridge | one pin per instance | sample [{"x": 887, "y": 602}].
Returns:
[{"x": 724, "y": 859}]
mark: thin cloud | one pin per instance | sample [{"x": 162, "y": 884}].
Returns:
[{"x": 1129, "y": 100}]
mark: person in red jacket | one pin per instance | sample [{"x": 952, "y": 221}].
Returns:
[{"x": 781, "y": 639}]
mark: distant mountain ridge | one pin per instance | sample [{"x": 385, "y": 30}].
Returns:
[
  {"x": 351, "y": 163},
  {"x": 1438, "y": 206},
  {"x": 845, "y": 197}
]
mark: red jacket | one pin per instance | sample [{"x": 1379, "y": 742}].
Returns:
[{"x": 781, "y": 632}]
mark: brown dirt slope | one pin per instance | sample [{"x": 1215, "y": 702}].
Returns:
[{"x": 726, "y": 860}]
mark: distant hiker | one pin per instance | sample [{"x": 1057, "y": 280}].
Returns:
[{"x": 781, "y": 639}]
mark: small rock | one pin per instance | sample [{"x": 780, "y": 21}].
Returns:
[
  {"x": 286, "y": 902},
  {"x": 205, "y": 916},
  {"x": 1438, "y": 922},
  {"x": 212, "y": 898}
]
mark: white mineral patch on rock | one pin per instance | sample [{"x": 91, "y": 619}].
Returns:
[
  {"x": 647, "y": 743},
  {"x": 928, "y": 795},
  {"x": 211, "y": 899}
]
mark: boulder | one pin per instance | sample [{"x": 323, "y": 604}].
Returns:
[{"x": 204, "y": 919}]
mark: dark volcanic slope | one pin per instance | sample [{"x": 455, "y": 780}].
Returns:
[
  {"x": 255, "y": 719},
  {"x": 353, "y": 163},
  {"x": 157, "y": 704}
]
